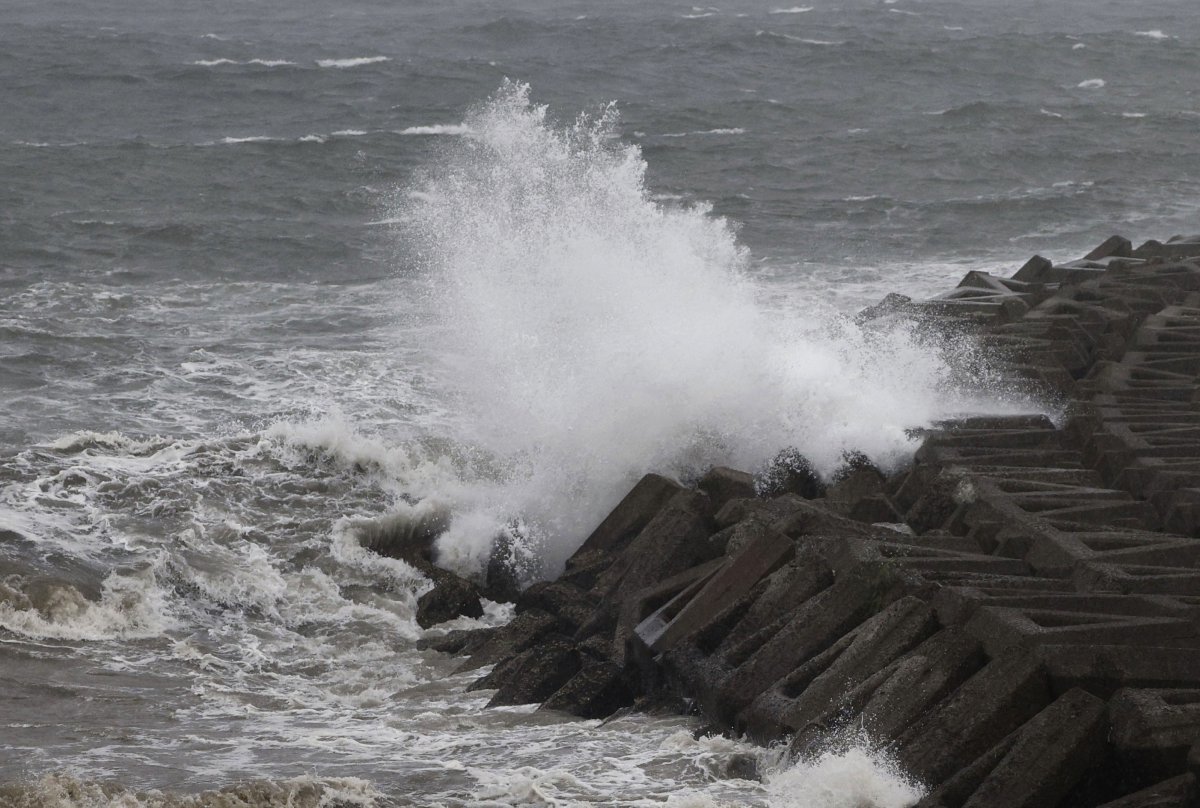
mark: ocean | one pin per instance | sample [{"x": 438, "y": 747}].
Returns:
[{"x": 274, "y": 274}]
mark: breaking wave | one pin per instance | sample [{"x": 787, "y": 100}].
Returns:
[{"x": 587, "y": 333}]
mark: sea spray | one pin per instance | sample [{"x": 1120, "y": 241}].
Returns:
[
  {"x": 587, "y": 334},
  {"x": 856, "y": 777}
]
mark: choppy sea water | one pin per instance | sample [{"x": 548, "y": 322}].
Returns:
[{"x": 273, "y": 272}]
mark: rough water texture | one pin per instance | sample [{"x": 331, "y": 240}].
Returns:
[{"x": 247, "y": 313}]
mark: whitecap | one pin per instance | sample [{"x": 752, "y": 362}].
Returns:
[
  {"x": 1153, "y": 34},
  {"x": 699, "y": 16},
  {"x": 1091, "y": 84},
  {"x": 1048, "y": 113},
  {"x": 270, "y": 62},
  {"x": 313, "y": 139},
  {"x": 82, "y": 440},
  {"x": 728, "y": 131},
  {"x": 1133, "y": 115},
  {"x": 348, "y": 133},
  {"x": 792, "y": 10},
  {"x": 232, "y": 141},
  {"x": 1078, "y": 46},
  {"x": 819, "y": 42},
  {"x": 355, "y": 61},
  {"x": 214, "y": 62},
  {"x": 437, "y": 129}
]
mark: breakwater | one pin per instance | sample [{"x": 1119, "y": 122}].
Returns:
[{"x": 1015, "y": 616}]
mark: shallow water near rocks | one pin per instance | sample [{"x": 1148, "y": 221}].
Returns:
[{"x": 273, "y": 274}]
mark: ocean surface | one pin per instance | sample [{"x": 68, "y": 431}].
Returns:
[{"x": 275, "y": 273}]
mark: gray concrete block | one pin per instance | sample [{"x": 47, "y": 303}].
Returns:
[{"x": 1050, "y": 754}]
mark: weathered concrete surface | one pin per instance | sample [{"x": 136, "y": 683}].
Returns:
[{"x": 1030, "y": 636}]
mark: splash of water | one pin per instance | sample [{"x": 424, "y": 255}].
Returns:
[
  {"x": 855, "y": 777},
  {"x": 588, "y": 334}
]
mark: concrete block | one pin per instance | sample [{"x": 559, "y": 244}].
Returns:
[
  {"x": 1177, "y": 792},
  {"x": 808, "y": 631},
  {"x": 758, "y": 558},
  {"x": 1154, "y": 729},
  {"x": 919, "y": 681},
  {"x": 1050, "y": 754},
  {"x": 596, "y": 691},
  {"x": 723, "y": 484},
  {"x": 538, "y": 673},
  {"x": 1005, "y": 694},
  {"x": 1103, "y": 669},
  {"x": 876, "y": 643},
  {"x": 632, "y": 514}
]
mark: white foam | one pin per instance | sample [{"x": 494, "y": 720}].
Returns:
[
  {"x": 1078, "y": 46},
  {"x": 438, "y": 129},
  {"x": 1153, "y": 34},
  {"x": 1133, "y": 115},
  {"x": 357, "y": 61},
  {"x": 792, "y": 10},
  {"x": 349, "y": 133},
  {"x": 63, "y": 790},
  {"x": 131, "y": 606},
  {"x": 347, "y": 549},
  {"x": 81, "y": 440},
  {"x": 726, "y": 131},
  {"x": 854, "y": 778},
  {"x": 804, "y": 40},
  {"x": 588, "y": 334},
  {"x": 1050, "y": 114},
  {"x": 232, "y": 141},
  {"x": 258, "y": 62},
  {"x": 1091, "y": 84}
]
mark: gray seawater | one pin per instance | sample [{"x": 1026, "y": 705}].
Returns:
[{"x": 272, "y": 273}]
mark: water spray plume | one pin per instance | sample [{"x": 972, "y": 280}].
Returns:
[{"x": 589, "y": 334}]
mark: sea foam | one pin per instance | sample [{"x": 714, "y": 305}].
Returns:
[
  {"x": 588, "y": 334},
  {"x": 857, "y": 777},
  {"x": 436, "y": 129},
  {"x": 357, "y": 61}
]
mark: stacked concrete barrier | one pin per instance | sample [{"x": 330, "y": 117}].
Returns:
[{"x": 1029, "y": 636}]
